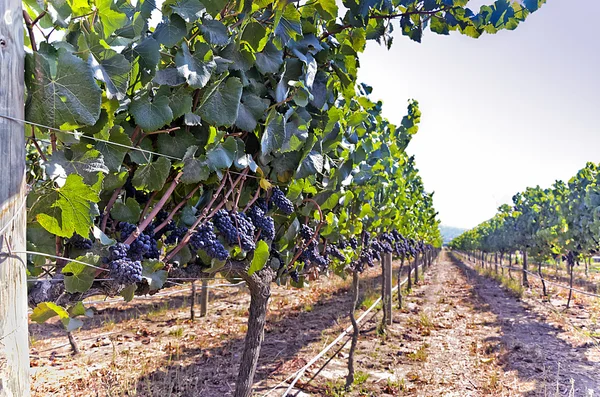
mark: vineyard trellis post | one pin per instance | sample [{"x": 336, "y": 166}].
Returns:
[
  {"x": 14, "y": 344},
  {"x": 204, "y": 299},
  {"x": 387, "y": 287}
]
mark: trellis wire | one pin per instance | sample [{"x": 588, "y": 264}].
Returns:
[
  {"x": 104, "y": 141},
  {"x": 88, "y": 137},
  {"x": 53, "y": 256}
]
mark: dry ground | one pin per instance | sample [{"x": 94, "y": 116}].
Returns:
[{"x": 459, "y": 334}]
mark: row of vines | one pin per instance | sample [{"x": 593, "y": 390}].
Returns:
[
  {"x": 552, "y": 225},
  {"x": 179, "y": 139}
]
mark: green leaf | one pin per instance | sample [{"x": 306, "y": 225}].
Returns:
[
  {"x": 79, "y": 309},
  {"x": 86, "y": 163},
  {"x": 222, "y": 155},
  {"x": 112, "y": 68},
  {"x": 79, "y": 277},
  {"x": 273, "y": 134},
  {"x": 148, "y": 56},
  {"x": 287, "y": 24},
  {"x": 270, "y": 59},
  {"x": 152, "y": 176},
  {"x": 311, "y": 165},
  {"x": 151, "y": 116},
  {"x": 171, "y": 31},
  {"x": 255, "y": 34},
  {"x": 152, "y": 273},
  {"x": 71, "y": 324},
  {"x": 176, "y": 145},
  {"x": 214, "y": 32},
  {"x": 220, "y": 106},
  {"x": 129, "y": 211},
  {"x": 113, "y": 154},
  {"x": 189, "y": 10},
  {"x": 111, "y": 20},
  {"x": 62, "y": 89},
  {"x": 252, "y": 109},
  {"x": 128, "y": 292},
  {"x": 261, "y": 255},
  {"x": 180, "y": 102},
  {"x": 194, "y": 170},
  {"x": 196, "y": 68},
  {"x": 327, "y": 8},
  {"x": 70, "y": 208},
  {"x": 46, "y": 310},
  {"x": 168, "y": 76}
]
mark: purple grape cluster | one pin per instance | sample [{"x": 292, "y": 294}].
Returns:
[
  {"x": 125, "y": 271},
  {"x": 334, "y": 252},
  {"x": 353, "y": 243},
  {"x": 140, "y": 247},
  {"x": 281, "y": 202},
  {"x": 176, "y": 235},
  {"x": 80, "y": 243},
  {"x": 118, "y": 251},
  {"x": 205, "y": 238},
  {"x": 236, "y": 228},
  {"x": 263, "y": 222},
  {"x": 245, "y": 230}
]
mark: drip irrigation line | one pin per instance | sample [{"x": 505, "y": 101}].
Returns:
[{"x": 298, "y": 374}]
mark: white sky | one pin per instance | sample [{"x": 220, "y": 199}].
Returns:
[{"x": 500, "y": 113}]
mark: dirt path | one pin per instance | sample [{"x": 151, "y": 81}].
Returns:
[{"x": 461, "y": 334}]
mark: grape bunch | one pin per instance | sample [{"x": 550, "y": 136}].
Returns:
[
  {"x": 281, "y": 202},
  {"x": 125, "y": 271},
  {"x": 366, "y": 257},
  {"x": 126, "y": 229},
  {"x": 118, "y": 251},
  {"x": 236, "y": 228},
  {"x": 306, "y": 232},
  {"x": 226, "y": 227},
  {"x": 160, "y": 218},
  {"x": 353, "y": 243},
  {"x": 205, "y": 238},
  {"x": 263, "y": 222},
  {"x": 245, "y": 229},
  {"x": 80, "y": 243},
  {"x": 176, "y": 235},
  {"x": 140, "y": 247},
  {"x": 334, "y": 252}
]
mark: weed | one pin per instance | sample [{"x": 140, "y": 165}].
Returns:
[
  {"x": 420, "y": 354},
  {"x": 177, "y": 332},
  {"x": 360, "y": 377}
]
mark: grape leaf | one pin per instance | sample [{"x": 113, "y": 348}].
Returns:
[
  {"x": 220, "y": 105},
  {"x": 189, "y": 10},
  {"x": 261, "y": 255},
  {"x": 79, "y": 277},
  {"x": 113, "y": 154},
  {"x": 111, "y": 20},
  {"x": 171, "y": 31},
  {"x": 86, "y": 163},
  {"x": 152, "y": 176},
  {"x": 196, "y": 68},
  {"x": 70, "y": 208},
  {"x": 150, "y": 116},
  {"x": 214, "y": 32},
  {"x": 129, "y": 211},
  {"x": 62, "y": 89}
]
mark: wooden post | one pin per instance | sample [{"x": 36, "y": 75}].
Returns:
[
  {"x": 193, "y": 301},
  {"x": 387, "y": 287},
  {"x": 14, "y": 343},
  {"x": 204, "y": 298},
  {"x": 416, "y": 268}
]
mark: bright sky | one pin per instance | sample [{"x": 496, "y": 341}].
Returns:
[{"x": 500, "y": 113}]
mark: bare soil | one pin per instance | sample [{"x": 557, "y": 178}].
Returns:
[{"x": 459, "y": 334}]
